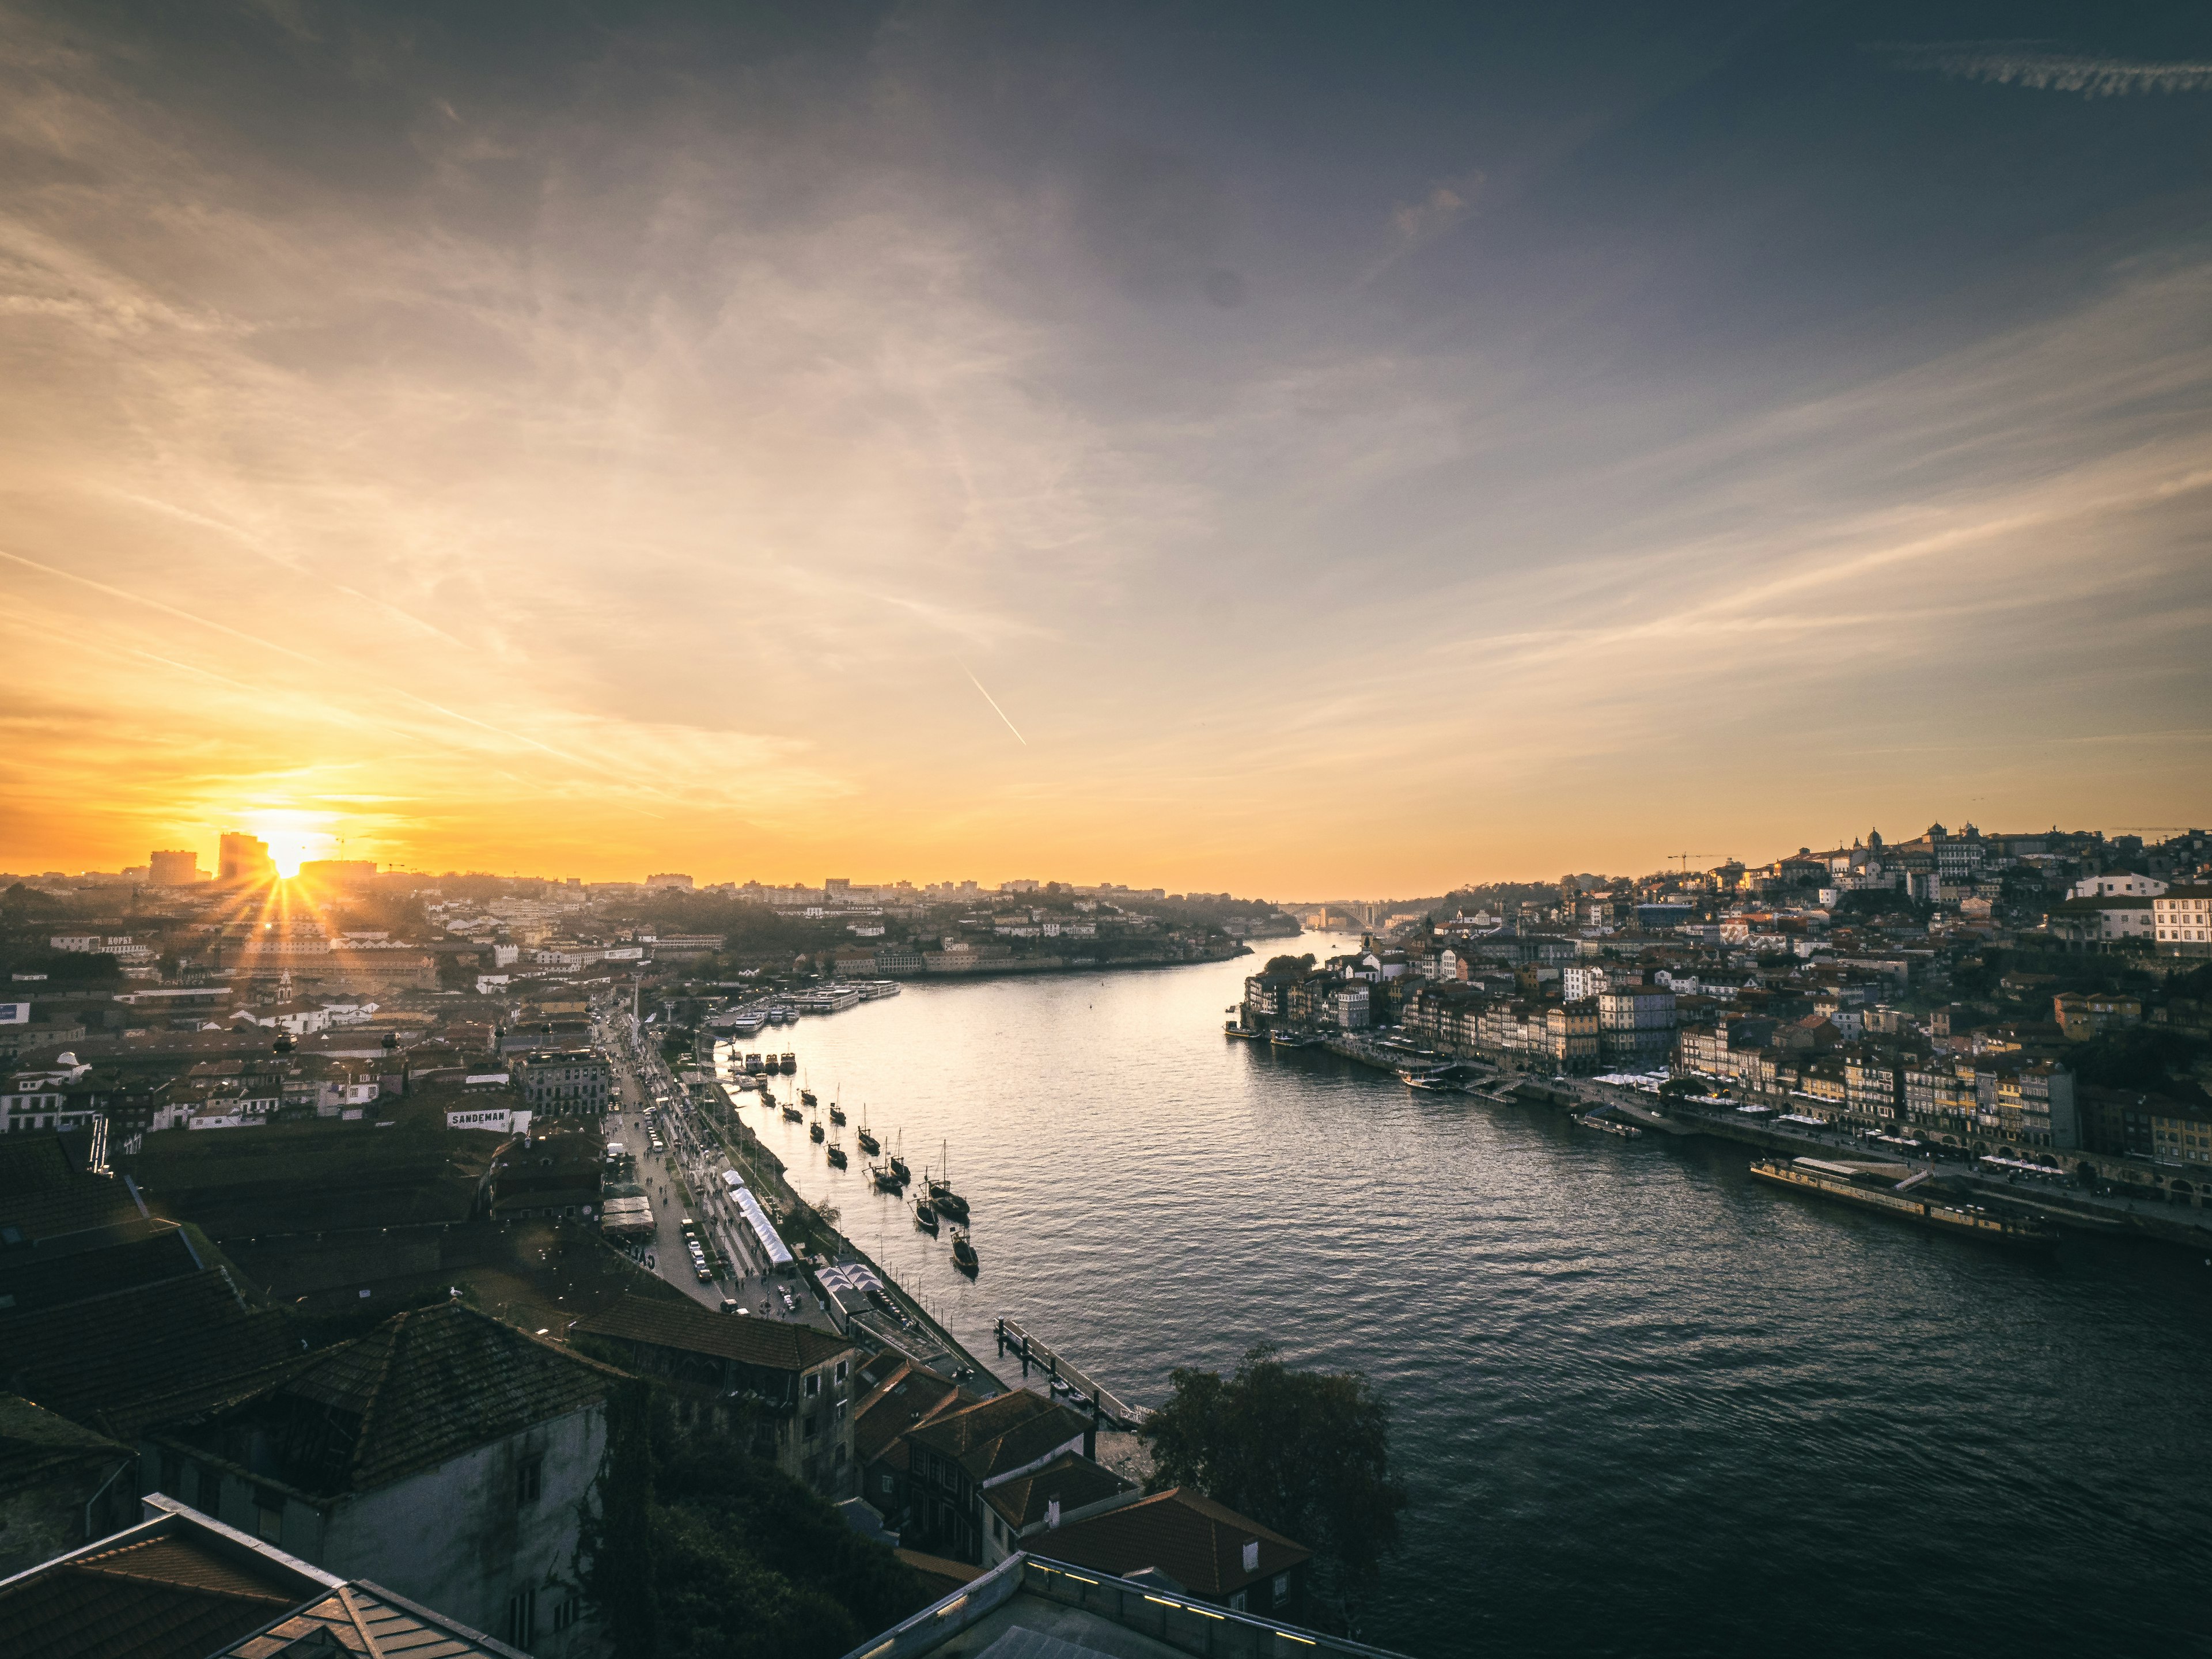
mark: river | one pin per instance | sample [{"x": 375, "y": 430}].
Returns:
[{"x": 1643, "y": 1406}]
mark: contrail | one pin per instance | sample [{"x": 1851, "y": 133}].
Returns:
[{"x": 993, "y": 702}]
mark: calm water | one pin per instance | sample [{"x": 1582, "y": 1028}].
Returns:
[{"x": 1643, "y": 1407}]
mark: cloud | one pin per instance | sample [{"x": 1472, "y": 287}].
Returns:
[
  {"x": 1448, "y": 203},
  {"x": 2009, "y": 62}
]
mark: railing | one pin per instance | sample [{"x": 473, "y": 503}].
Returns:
[{"x": 1013, "y": 1340}]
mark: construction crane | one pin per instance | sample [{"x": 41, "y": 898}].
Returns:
[{"x": 1686, "y": 857}]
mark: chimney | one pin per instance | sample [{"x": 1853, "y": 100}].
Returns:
[
  {"x": 1051, "y": 1513},
  {"x": 1252, "y": 1556}
]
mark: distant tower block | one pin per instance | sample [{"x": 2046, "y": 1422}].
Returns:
[
  {"x": 242, "y": 856},
  {"x": 172, "y": 869}
]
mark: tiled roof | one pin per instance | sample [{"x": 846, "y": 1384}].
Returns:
[
  {"x": 906, "y": 1399},
  {"x": 773, "y": 1343},
  {"x": 167, "y": 1597},
  {"x": 33, "y": 1438},
  {"x": 1017, "y": 1428},
  {"x": 123, "y": 1361},
  {"x": 1072, "y": 1477},
  {"x": 43, "y": 1196},
  {"x": 366, "y": 1618},
  {"x": 426, "y": 1386},
  {"x": 1194, "y": 1540},
  {"x": 58, "y": 1275}
]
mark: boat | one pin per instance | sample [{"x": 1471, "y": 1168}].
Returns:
[
  {"x": 925, "y": 1215},
  {"x": 1250, "y": 1033},
  {"x": 898, "y": 1164},
  {"x": 1870, "y": 1186},
  {"x": 941, "y": 1193},
  {"x": 1612, "y": 1126},
  {"x": 814, "y": 1132},
  {"x": 885, "y": 1180},
  {"x": 836, "y": 1112},
  {"x": 790, "y": 1065},
  {"x": 806, "y": 1099},
  {"x": 837, "y": 1156},
  {"x": 869, "y": 1144},
  {"x": 793, "y": 1115},
  {"x": 1287, "y": 1040},
  {"x": 963, "y": 1253}
]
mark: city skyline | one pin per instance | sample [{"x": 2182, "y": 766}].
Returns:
[{"x": 1321, "y": 460}]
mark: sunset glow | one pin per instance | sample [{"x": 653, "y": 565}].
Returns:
[{"x": 491, "y": 495}]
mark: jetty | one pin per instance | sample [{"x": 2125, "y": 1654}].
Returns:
[{"x": 1105, "y": 1405}]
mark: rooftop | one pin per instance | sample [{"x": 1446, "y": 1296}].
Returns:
[
  {"x": 773, "y": 1343},
  {"x": 1194, "y": 1540},
  {"x": 1070, "y": 1479},
  {"x": 425, "y": 1385}
]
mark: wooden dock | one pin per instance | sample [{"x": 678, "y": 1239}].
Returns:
[{"x": 1105, "y": 1405}]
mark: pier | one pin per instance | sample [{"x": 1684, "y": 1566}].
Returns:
[{"x": 1103, "y": 1403}]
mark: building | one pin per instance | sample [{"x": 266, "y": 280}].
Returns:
[
  {"x": 339, "y": 872},
  {"x": 178, "y": 1584},
  {"x": 180, "y": 869},
  {"x": 1023, "y": 1512},
  {"x": 958, "y": 1456},
  {"x": 61, "y": 1484},
  {"x": 1011, "y": 1609},
  {"x": 564, "y": 1083},
  {"x": 2181, "y": 918},
  {"x": 441, "y": 1413},
  {"x": 782, "y": 1390},
  {"x": 2084, "y": 1014},
  {"x": 241, "y": 857},
  {"x": 896, "y": 1395},
  {"x": 1636, "y": 1024},
  {"x": 1208, "y": 1550}
]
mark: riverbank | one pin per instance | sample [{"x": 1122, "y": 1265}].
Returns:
[{"x": 2077, "y": 1211}]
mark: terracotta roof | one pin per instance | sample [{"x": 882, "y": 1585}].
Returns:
[
  {"x": 130, "y": 1358},
  {"x": 425, "y": 1385},
  {"x": 43, "y": 1196},
  {"x": 998, "y": 1435},
  {"x": 367, "y": 1618},
  {"x": 910, "y": 1396},
  {"x": 32, "y": 1439},
  {"x": 171, "y": 1595},
  {"x": 773, "y": 1343},
  {"x": 1194, "y": 1540},
  {"x": 58, "y": 1275},
  {"x": 1072, "y": 1477}
]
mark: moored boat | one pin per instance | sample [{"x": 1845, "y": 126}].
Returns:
[
  {"x": 1872, "y": 1189},
  {"x": 814, "y": 1132},
  {"x": 837, "y": 1156},
  {"x": 963, "y": 1253},
  {"x": 792, "y": 1113},
  {"x": 925, "y": 1215},
  {"x": 836, "y": 1112}
]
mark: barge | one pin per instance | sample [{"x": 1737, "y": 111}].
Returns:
[{"x": 1856, "y": 1185}]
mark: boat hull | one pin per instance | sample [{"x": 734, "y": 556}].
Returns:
[{"x": 1925, "y": 1212}]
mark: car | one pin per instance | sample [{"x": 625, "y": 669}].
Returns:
[
  {"x": 790, "y": 1302},
  {"x": 730, "y": 1306},
  {"x": 706, "y": 1274}
]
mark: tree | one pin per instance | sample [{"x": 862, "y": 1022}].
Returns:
[
  {"x": 1305, "y": 1453},
  {"x": 1300, "y": 964}
]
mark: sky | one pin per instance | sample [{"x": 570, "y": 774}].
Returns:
[{"x": 1295, "y": 450}]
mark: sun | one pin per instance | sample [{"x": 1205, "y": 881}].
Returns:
[{"x": 292, "y": 840}]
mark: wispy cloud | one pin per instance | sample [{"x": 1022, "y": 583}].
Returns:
[{"x": 2033, "y": 65}]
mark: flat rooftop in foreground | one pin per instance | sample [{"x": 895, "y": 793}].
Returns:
[{"x": 1030, "y": 1606}]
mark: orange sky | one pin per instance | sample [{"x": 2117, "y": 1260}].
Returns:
[{"x": 592, "y": 489}]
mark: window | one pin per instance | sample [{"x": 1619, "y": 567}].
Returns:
[
  {"x": 1282, "y": 1588},
  {"x": 522, "y": 1616},
  {"x": 527, "y": 1481},
  {"x": 841, "y": 1370},
  {"x": 568, "y": 1611},
  {"x": 887, "y": 1485},
  {"x": 268, "y": 1517},
  {"x": 813, "y": 1384}
]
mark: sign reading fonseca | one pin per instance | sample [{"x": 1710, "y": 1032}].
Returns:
[
  {"x": 503, "y": 1118},
  {"x": 15, "y": 1013}
]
